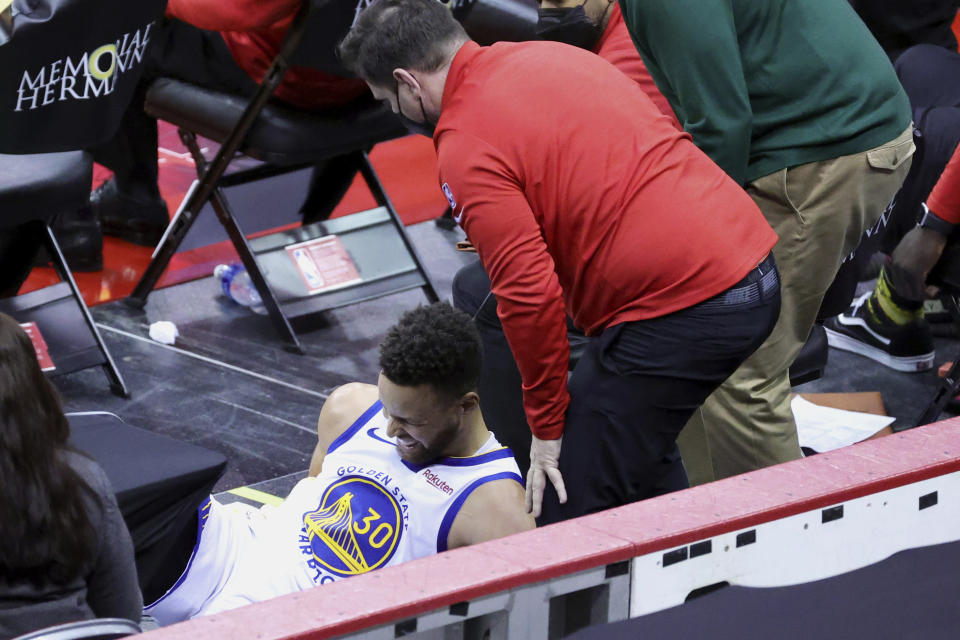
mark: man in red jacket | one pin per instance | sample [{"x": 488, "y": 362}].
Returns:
[
  {"x": 226, "y": 45},
  {"x": 597, "y": 26},
  {"x": 582, "y": 199}
]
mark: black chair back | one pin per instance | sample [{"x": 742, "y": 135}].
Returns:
[
  {"x": 68, "y": 69},
  {"x": 486, "y": 21},
  {"x": 489, "y": 21},
  {"x": 327, "y": 24}
]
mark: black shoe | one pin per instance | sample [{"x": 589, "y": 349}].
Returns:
[
  {"x": 140, "y": 220},
  {"x": 81, "y": 242},
  {"x": 871, "y": 333}
]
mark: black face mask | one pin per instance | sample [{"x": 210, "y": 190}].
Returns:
[
  {"x": 425, "y": 128},
  {"x": 569, "y": 25}
]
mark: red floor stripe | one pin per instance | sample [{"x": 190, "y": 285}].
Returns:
[{"x": 407, "y": 168}]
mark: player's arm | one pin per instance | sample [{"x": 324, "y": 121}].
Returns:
[
  {"x": 920, "y": 249},
  {"x": 342, "y": 408},
  {"x": 494, "y": 510}
]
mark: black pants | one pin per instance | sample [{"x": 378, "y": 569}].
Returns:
[
  {"x": 500, "y": 388},
  {"x": 901, "y": 24},
  {"x": 636, "y": 385},
  {"x": 180, "y": 50},
  {"x": 177, "y": 50}
]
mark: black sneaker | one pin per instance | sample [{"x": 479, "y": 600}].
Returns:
[
  {"x": 140, "y": 220},
  {"x": 870, "y": 333}
]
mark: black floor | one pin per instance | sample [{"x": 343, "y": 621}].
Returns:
[
  {"x": 905, "y": 395},
  {"x": 229, "y": 385}
]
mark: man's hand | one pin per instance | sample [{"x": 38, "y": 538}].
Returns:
[
  {"x": 913, "y": 259},
  {"x": 544, "y": 464}
]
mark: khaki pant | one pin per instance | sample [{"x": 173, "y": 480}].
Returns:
[{"x": 819, "y": 210}]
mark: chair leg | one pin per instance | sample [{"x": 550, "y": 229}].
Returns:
[
  {"x": 376, "y": 188},
  {"x": 949, "y": 386},
  {"x": 280, "y": 321},
  {"x": 179, "y": 226},
  {"x": 117, "y": 385},
  {"x": 167, "y": 248},
  {"x": 186, "y": 216}
]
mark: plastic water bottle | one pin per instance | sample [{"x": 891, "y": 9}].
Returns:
[{"x": 236, "y": 285}]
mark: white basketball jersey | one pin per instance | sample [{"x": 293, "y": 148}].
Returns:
[{"x": 368, "y": 509}]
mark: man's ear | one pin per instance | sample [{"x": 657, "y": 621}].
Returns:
[
  {"x": 470, "y": 401},
  {"x": 407, "y": 78}
]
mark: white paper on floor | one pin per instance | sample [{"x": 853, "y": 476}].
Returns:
[
  {"x": 164, "y": 332},
  {"x": 826, "y": 429}
]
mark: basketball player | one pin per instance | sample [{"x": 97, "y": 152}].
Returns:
[{"x": 401, "y": 470}]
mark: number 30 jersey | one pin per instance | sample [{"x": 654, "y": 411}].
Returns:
[{"x": 368, "y": 509}]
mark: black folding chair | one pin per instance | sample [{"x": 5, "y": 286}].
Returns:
[
  {"x": 69, "y": 68},
  {"x": 33, "y": 190},
  {"x": 286, "y": 139}
]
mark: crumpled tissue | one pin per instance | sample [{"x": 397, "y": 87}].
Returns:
[{"x": 164, "y": 332}]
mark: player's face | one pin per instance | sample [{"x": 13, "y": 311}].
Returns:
[{"x": 426, "y": 425}]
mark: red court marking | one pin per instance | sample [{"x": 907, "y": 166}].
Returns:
[
  {"x": 407, "y": 168},
  {"x": 654, "y": 525},
  {"x": 956, "y": 26}
]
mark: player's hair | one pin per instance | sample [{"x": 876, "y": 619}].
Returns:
[
  {"x": 435, "y": 345},
  {"x": 405, "y": 34},
  {"x": 45, "y": 532}
]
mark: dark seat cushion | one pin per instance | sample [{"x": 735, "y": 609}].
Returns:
[
  {"x": 39, "y": 186},
  {"x": 812, "y": 359},
  {"x": 159, "y": 481},
  {"x": 281, "y": 135}
]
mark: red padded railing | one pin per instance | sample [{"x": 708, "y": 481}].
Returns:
[{"x": 612, "y": 536}]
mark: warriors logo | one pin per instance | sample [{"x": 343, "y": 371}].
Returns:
[{"x": 356, "y": 528}]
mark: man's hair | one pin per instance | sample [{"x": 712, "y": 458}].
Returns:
[
  {"x": 404, "y": 34},
  {"x": 435, "y": 345}
]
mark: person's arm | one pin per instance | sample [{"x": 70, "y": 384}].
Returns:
[
  {"x": 345, "y": 404},
  {"x": 691, "y": 49},
  {"x": 493, "y": 510},
  {"x": 618, "y": 49},
  {"x": 112, "y": 587},
  {"x": 944, "y": 199},
  {"x": 232, "y": 15},
  {"x": 920, "y": 249},
  {"x": 497, "y": 219}
]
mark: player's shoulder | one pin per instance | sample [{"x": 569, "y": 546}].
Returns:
[
  {"x": 352, "y": 395},
  {"x": 345, "y": 404},
  {"x": 504, "y": 494}
]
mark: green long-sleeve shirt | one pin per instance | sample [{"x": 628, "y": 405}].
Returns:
[{"x": 766, "y": 84}]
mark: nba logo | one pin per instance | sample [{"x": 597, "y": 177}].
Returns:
[{"x": 449, "y": 194}]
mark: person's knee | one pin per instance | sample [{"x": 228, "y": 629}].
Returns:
[
  {"x": 471, "y": 288},
  {"x": 921, "y": 56}
]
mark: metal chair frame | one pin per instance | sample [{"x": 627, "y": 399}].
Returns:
[{"x": 211, "y": 179}]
